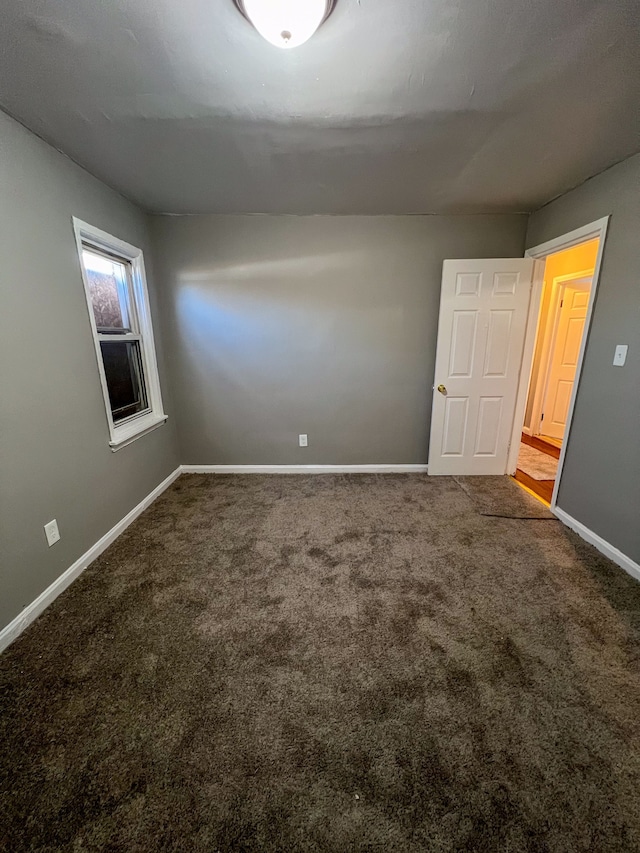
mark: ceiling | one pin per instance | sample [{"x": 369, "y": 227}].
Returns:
[{"x": 394, "y": 106}]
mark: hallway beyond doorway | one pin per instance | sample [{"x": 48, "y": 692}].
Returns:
[
  {"x": 564, "y": 304},
  {"x": 537, "y": 466}
]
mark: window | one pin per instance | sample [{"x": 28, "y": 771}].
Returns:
[{"x": 118, "y": 302}]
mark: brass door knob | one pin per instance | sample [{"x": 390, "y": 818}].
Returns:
[{"x": 442, "y": 389}]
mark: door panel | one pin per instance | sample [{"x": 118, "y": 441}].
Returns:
[
  {"x": 496, "y": 360},
  {"x": 561, "y": 402},
  {"x": 565, "y": 351},
  {"x": 456, "y": 411},
  {"x": 463, "y": 339},
  {"x": 483, "y": 315},
  {"x": 489, "y": 418}
]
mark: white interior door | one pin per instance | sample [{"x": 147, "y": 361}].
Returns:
[
  {"x": 483, "y": 316},
  {"x": 565, "y": 351}
]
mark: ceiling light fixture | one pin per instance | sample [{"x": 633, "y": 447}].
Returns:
[{"x": 286, "y": 23}]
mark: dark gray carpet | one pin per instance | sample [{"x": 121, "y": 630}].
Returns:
[{"x": 352, "y": 663}]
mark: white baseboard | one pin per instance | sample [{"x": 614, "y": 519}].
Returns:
[
  {"x": 601, "y": 544},
  {"x": 33, "y": 610},
  {"x": 304, "y": 469}
]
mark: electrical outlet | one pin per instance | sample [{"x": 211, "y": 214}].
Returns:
[
  {"x": 52, "y": 533},
  {"x": 303, "y": 440},
  {"x": 620, "y": 355}
]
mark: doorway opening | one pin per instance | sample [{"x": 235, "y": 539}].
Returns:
[
  {"x": 490, "y": 310},
  {"x": 566, "y": 284}
]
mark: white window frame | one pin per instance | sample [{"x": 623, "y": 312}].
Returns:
[{"x": 135, "y": 426}]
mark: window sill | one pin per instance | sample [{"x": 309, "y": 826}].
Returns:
[{"x": 130, "y": 432}]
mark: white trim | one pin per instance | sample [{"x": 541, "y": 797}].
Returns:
[
  {"x": 33, "y": 610},
  {"x": 136, "y": 429},
  {"x": 303, "y": 469},
  {"x": 601, "y": 544},
  {"x": 571, "y": 238},
  {"x": 129, "y": 430},
  {"x": 593, "y": 230}
]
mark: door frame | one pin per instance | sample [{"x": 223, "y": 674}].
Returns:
[
  {"x": 596, "y": 229},
  {"x": 548, "y": 345}
]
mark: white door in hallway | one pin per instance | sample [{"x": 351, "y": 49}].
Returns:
[
  {"x": 565, "y": 351},
  {"x": 484, "y": 306}
]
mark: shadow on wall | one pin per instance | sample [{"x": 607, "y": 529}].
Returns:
[
  {"x": 280, "y": 317},
  {"x": 317, "y": 325},
  {"x": 274, "y": 270},
  {"x": 292, "y": 340}
]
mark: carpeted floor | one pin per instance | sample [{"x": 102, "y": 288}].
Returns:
[{"x": 335, "y": 663}]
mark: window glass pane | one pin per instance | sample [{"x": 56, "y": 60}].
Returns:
[
  {"x": 125, "y": 380},
  {"x": 108, "y": 286}
]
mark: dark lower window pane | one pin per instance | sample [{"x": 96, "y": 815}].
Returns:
[{"x": 125, "y": 381}]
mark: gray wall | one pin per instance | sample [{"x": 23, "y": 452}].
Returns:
[
  {"x": 601, "y": 481},
  {"x": 55, "y": 461},
  {"x": 280, "y": 325},
  {"x": 274, "y": 326}
]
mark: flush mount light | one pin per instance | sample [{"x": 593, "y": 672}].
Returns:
[{"x": 286, "y": 23}]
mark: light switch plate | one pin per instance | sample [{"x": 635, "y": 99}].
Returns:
[
  {"x": 52, "y": 533},
  {"x": 621, "y": 355}
]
